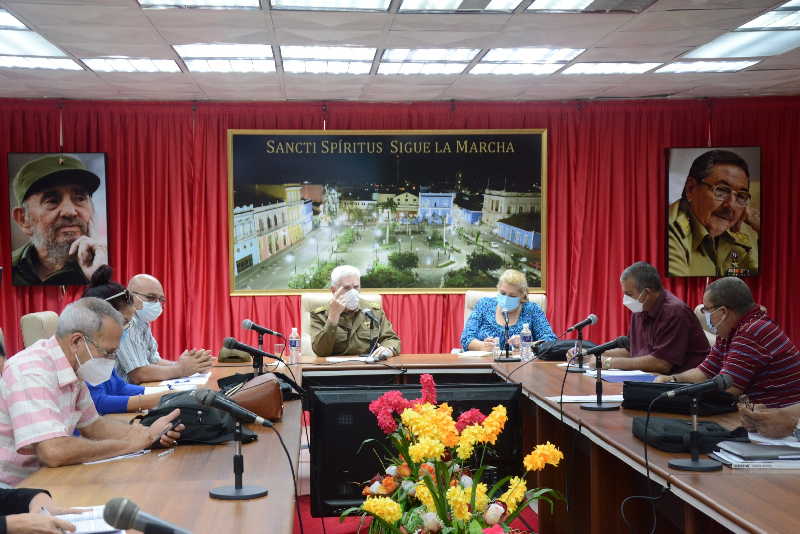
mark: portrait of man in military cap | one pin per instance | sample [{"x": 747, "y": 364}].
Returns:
[
  {"x": 713, "y": 212},
  {"x": 58, "y": 213}
]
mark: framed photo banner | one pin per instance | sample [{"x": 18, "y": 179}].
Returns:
[{"x": 436, "y": 211}]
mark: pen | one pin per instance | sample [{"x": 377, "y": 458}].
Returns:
[{"x": 166, "y": 452}]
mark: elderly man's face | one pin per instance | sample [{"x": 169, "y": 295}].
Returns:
[
  {"x": 348, "y": 282},
  {"x": 55, "y": 217},
  {"x": 717, "y": 215}
]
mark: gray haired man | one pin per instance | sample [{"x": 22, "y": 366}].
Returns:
[{"x": 44, "y": 398}]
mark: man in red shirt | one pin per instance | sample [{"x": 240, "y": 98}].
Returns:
[
  {"x": 665, "y": 336},
  {"x": 751, "y": 348}
]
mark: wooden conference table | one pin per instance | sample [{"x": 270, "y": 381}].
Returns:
[
  {"x": 605, "y": 464},
  {"x": 175, "y": 486}
]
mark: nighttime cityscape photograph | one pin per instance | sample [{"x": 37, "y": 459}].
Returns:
[{"x": 412, "y": 211}]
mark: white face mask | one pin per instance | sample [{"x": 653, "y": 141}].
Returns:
[
  {"x": 96, "y": 370},
  {"x": 351, "y": 299},
  {"x": 711, "y": 327},
  {"x": 150, "y": 311},
  {"x": 632, "y": 304}
]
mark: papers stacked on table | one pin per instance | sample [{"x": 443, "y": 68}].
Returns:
[
  {"x": 90, "y": 522},
  {"x": 196, "y": 380},
  {"x": 739, "y": 455}
]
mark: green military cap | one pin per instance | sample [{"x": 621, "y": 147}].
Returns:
[{"x": 40, "y": 173}]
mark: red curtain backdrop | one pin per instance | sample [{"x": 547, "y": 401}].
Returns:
[{"x": 168, "y": 202}]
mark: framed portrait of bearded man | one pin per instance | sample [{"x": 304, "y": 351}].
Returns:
[
  {"x": 59, "y": 229},
  {"x": 713, "y": 211}
]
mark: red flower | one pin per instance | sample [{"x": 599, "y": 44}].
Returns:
[
  {"x": 428, "y": 388},
  {"x": 470, "y": 417},
  {"x": 495, "y": 529},
  {"x": 386, "y": 421},
  {"x": 392, "y": 401}
]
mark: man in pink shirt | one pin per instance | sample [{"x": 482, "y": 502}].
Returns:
[{"x": 44, "y": 398}]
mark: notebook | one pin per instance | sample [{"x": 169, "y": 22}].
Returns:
[
  {"x": 755, "y": 451},
  {"x": 90, "y": 522}
]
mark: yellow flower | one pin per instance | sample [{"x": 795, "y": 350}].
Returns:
[
  {"x": 424, "y": 496},
  {"x": 515, "y": 493},
  {"x": 550, "y": 453},
  {"x": 534, "y": 461},
  {"x": 494, "y": 423},
  {"x": 458, "y": 499},
  {"x": 426, "y": 449},
  {"x": 469, "y": 437},
  {"x": 383, "y": 507},
  {"x": 481, "y": 497},
  {"x": 429, "y": 421}
]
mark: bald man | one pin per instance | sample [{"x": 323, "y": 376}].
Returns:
[{"x": 138, "y": 359}]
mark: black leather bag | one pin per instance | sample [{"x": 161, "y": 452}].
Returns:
[
  {"x": 638, "y": 395},
  {"x": 204, "y": 425},
  {"x": 672, "y": 435},
  {"x": 556, "y": 351}
]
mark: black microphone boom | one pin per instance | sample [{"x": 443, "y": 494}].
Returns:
[
  {"x": 124, "y": 514},
  {"x": 592, "y": 319},
  {"x": 215, "y": 400},
  {"x": 247, "y": 324},
  {"x": 720, "y": 382},
  {"x": 231, "y": 343},
  {"x": 621, "y": 341},
  {"x": 372, "y": 317}
]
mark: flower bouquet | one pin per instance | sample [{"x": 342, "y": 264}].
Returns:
[{"x": 433, "y": 480}]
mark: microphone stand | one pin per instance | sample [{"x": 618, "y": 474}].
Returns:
[
  {"x": 579, "y": 354},
  {"x": 237, "y": 492},
  {"x": 599, "y": 405},
  {"x": 258, "y": 361},
  {"x": 695, "y": 463},
  {"x": 508, "y": 357}
]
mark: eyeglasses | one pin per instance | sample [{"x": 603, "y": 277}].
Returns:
[
  {"x": 703, "y": 309},
  {"x": 103, "y": 353},
  {"x": 125, "y": 294},
  {"x": 722, "y": 193},
  {"x": 151, "y": 298}
]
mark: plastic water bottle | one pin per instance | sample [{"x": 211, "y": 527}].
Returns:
[
  {"x": 294, "y": 346},
  {"x": 525, "y": 343}
]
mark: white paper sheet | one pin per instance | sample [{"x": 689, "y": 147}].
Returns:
[
  {"x": 197, "y": 379},
  {"x": 788, "y": 441},
  {"x": 120, "y": 457},
  {"x": 90, "y": 522},
  {"x": 586, "y": 398}
]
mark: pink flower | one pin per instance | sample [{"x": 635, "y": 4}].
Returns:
[
  {"x": 428, "y": 388},
  {"x": 392, "y": 401},
  {"x": 495, "y": 529},
  {"x": 470, "y": 417},
  {"x": 386, "y": 421}
]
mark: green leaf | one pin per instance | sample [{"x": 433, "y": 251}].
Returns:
[
  {"x": 497, "y": 486},
  {"x": 540, "y": 494},
  {"x": 438, "y": 499},
  {"x": 475, "y": 527},
  {"x": 350, "y": 511}
]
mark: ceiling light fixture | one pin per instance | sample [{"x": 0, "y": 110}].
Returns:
[
  {"x": 231, "y": 65},
  {"x": 126, "y": 64},
  {"x": 748, "y": 44},
  {"x": 559, "y": 5},
  {"x": 201, "y": 4},
  {"x": 341, "y": 53},
  {"x": 22, "y": 62},
  {"x": 9, "y": 21},
  {"x": 532, "y": 55},
  {"x": 311, "y": 66},
  {"x": 27, "y": 43},
  {"x": 223, "y": 50},
  {"x": 332, "y": 5},
  {"x": 430, "y": 54},
  {"x": 411, "y": 67},
  {"x": 516, "y": 68},
  {"x": 452, "y": 6},
  {"x": 682, "y": 67}
]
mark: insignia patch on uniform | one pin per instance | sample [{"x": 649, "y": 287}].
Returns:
[{"x": 320, "y": 308}]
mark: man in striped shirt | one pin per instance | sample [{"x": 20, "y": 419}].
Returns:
[
  {"x": 44, "y": 398},
  {"x": 762, "y": 361}
]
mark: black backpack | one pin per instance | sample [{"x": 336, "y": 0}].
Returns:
[
  {"x": 204, "y": 425},
  {"x": 557, "y": 350},
  {"x": 672, "y": 435}
]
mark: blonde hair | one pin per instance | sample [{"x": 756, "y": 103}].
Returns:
[{"x": 515, "y": 278}]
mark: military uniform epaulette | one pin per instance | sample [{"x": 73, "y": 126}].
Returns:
[
  {"x": 375, "y": 305},
  {"x": 320, "y": 309}
]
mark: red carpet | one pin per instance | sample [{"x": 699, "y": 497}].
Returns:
[{"x": 313, "y": 525}]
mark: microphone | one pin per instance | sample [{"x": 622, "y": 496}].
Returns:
[
  {"x": 505, "y": 316},
  {"x": 231, "y": 343},
  {"x": 124, "y": 514},
  {"x": 621, "y": 341},
  {"x": 215, "y": 400},
  {"x": 720, "y": 382},
  {"x": 247, "y": 324},
  {"x": 592, "y": 319},
  {"x": 372, "y": 317}
]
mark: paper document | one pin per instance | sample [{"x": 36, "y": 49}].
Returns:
[
  {"x": 164, "y": 389},
  {"x": 89, "y": 522},
  {"x": 474, "y": 353},
  {"x": 340, "y": 359},
  {"x": 737, "y": 462},
  {"x": 586, "y": 398},
  {"x": 616, "y": 372},
  {"x": 197, "y": 379},
  {"x": 788, "y": 441},
  {"x": 120, "y": 457}
]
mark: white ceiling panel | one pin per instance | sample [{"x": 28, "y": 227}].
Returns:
[{"x": 665, "y": 31}]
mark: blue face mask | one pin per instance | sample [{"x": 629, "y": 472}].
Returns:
[{"x": 507, "y": 303}]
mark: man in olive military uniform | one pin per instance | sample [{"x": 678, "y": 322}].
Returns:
[
  {"x": 713, "y": 231},
  {"x": 348, "y": 325},
  {"x": 54, "y": 209}
]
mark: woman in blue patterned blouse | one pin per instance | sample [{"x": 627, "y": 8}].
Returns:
[{"x": 486, "y": 322}]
